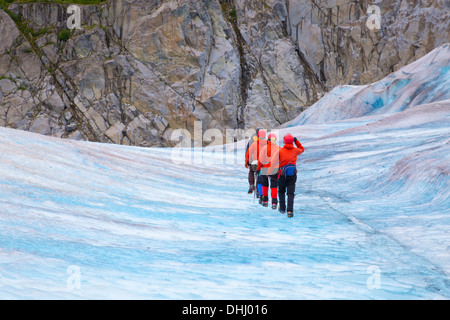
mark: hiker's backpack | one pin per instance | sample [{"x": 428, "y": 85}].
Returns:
[{"x": 288, "y": 170}]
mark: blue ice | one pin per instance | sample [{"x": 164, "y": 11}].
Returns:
[{"x": 371, "y": 216}]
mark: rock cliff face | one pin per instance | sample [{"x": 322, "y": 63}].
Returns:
[{"x": 139, "y": 69}]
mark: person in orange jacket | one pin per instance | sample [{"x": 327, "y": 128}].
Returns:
[
  {"x": 251, "y": 169},
  {"x": 269, "y": 171},
  {"x": 286, "y": 158},
  {"x": 251, "y": 158}
]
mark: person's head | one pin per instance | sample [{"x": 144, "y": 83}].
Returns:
[
  {"x": 261, "y": 134},
  {"x": 288, "y": 139},
  {"x": 272, "y": 137}
]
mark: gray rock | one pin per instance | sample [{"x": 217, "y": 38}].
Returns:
[
  {"x": 41, "y": 125},
  {"x": 138, "y": 69},
  {"x": 7, "y": 86},
  {"x": 9, "y": 31},
  {"x": 71, "y": 127}
]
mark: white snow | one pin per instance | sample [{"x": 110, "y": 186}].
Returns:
[
  {"x": 81, "y": 220},
  {"x": 424, "y": 81}
]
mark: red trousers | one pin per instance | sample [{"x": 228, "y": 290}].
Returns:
[{"x": 273, "y": 179}]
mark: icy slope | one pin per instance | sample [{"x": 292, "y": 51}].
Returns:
[
  {"x": 97, "y": 221},
  {"x": 424, "y": 81},
  {"x": 372, "y": 203}
]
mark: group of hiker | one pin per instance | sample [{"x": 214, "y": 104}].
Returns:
[{"x": 273, "y": 167}]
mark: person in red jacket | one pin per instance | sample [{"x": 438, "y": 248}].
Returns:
[
  {"x": 251, "y": 160},
  {"x": 287, "y": 174},
  {"x": 269, "y": 171}
]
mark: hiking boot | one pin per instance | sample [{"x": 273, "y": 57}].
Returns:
[
  {"x": 290, "y": 214},
  {"x": 274, "y": 203},
  {"x": 251, "y": 189},
  {"x": 265, "y": 204},
  {"x": 282, "y": 211}
]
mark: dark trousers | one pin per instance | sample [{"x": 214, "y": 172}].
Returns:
[
  {"x": 286, "y": 185},
  {"x": 251, "y": 177},
  {"x": 273, "y": 179}
]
